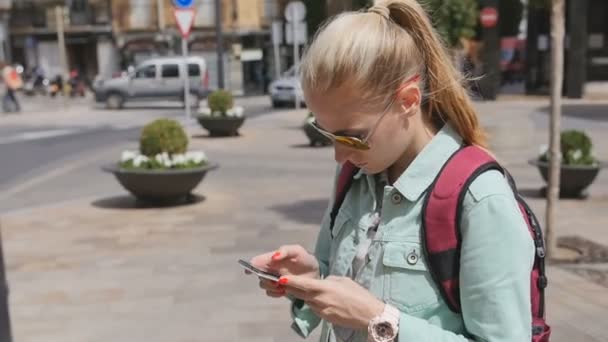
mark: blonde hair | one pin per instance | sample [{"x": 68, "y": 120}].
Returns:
[{"x": 377, "y": 50}]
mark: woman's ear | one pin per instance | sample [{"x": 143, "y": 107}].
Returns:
[{"x": 410, "y": 98}]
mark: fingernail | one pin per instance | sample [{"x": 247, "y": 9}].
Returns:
[
  {"x": 283, "y": 281},
  {"x": 276, "y": 255}
]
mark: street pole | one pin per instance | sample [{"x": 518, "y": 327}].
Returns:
[
  {"x": 296, "y": 61},
  {"x": 61, "y": 42},
  {"x": 186, "y": 78},
  {"x": 276, "y": 43},
  {"x": 555, "y": 156},
  {"x": 161, "y": 16},
  {"x": 5, "y": 321},
  {"x": 220, "y": 44}
]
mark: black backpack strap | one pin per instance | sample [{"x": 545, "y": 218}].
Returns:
[{"x": 345, "y": 180}]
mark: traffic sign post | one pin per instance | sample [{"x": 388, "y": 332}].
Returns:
[
  {"x": 295, "y": 12},
  {"x": 184, "y": 17}
]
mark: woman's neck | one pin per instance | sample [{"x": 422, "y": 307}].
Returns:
[{"x": 419, "y": 141}]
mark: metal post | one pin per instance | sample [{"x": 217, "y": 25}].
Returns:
[
  {"x": 220, "y": 44},
  {"x": 186, "y": 78},
  {"x": 161, "y": 16},
  {"x": 490, "y": 84},
  {"x": 61, "y": 42},
  {"x": 5, "y": 321},
  {"x": 296, "y": 61}
]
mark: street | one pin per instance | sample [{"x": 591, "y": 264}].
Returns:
[{"x": 50, "y": 134}]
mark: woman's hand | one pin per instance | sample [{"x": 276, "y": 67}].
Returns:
[
  {"x": 287, "y": 260},
  {"x": 338, "y": 300}
]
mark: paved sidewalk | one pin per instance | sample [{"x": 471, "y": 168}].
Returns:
[{"x": 101, "y": 269}]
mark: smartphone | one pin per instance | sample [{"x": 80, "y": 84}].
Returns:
[{"x": 259, "y": 272}]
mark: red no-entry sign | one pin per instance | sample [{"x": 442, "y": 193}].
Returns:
[{"x": 489, "y": 17}]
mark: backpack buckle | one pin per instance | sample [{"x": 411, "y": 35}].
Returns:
[
  {"x": 540, "y": 251},
  {"x": 542, "y": 282}
]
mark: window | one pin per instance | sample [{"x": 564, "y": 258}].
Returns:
[
  {"x": 170, "y": 70},
  {"x": 148, "y": 71},
  {"x": 194, "y": 70}
]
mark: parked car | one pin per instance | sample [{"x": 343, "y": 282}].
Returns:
[
  {"x": 157, "y": 78},
  {"x": 283, "y": 90}
]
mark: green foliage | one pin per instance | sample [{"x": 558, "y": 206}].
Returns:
[
  {"x": 359, "y": 4},
  {"x": 220, "y": 101},
  {"x": 453, "y": 19},
  {"x": 510, "y": 15},
  {"x": 163, "y": 135},
  {"x": 316, "y": 14},
  {"x": 539, "y": 3},
  {"x": 576, "y": 149}
]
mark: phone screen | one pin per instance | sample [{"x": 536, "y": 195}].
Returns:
[{"x": 259, "y": 272}]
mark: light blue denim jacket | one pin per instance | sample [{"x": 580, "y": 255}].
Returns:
[{"x": 496, "y": 257}]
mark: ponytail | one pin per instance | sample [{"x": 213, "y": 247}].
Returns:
[{"x": 447, "y": 99}]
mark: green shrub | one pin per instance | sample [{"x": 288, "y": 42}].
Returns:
[
  {"x": 576, "y": 149},
  {"x": 220, "y": 101},
  {"x": 163, "y": 135}
]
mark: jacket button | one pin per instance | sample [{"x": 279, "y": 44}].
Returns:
[
  {"x": 412, "y": 258},
  {"x": 396, "y": 198}
]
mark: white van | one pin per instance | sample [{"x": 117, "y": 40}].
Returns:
[{"x": 157, "y": 78}]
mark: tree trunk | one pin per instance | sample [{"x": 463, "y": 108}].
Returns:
[{"x": 557, "y": 76}]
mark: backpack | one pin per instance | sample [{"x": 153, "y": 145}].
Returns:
[{"x": 441, "y": 228}]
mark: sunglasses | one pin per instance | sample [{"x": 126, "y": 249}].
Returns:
[{"x": 358, "y": 142}]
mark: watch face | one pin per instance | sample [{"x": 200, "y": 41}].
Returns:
[{"x": 384, "y": 330}]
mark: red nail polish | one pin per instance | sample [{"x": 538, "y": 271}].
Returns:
[
  {"x": 276, "y": 255},
  {"x": 283, "y": 281}
]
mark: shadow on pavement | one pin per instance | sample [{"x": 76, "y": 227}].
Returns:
[
  {"x": 130, "y": 202},
  {"x": 531, "y": 192},
  {"x": 209, "y": 136},
  {"x": 306, "y": 211},
  {"x": 308, "y": 146},
  {"x": 594, "y": 112}
]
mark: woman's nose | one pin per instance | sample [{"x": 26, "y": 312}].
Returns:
[{"x": 341, "y": 153}]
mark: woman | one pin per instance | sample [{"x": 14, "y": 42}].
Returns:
[{"x": 383, "y": 78}]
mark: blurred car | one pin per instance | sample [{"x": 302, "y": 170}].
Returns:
[
  {"x": 157, "y": 79},
  {"x": 283, "y": 90}
]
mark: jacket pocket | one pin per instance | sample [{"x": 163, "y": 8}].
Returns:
[{"x": 408, "y": 285}]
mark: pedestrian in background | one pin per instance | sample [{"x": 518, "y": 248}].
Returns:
[{"x": 13, "y": 82}]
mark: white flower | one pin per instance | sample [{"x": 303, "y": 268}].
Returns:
[
  {"x": 236, "y": 112},
  {"x": 577, "y": 154},
  {"x": 179, "y": 159},
  {"x": 543, "y": 149},
  {"x": 196, "y": 157},
  {"x": 127, "y": 155},
  {"x": 139, "y": 160},
  {"x": 159, "y": 158},
  {"x": 205, "y": 111}
]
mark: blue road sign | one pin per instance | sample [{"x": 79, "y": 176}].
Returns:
[{"x": 183, "y": 3}]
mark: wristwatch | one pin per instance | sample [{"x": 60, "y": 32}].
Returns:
[{"x": 385, "y": 327}]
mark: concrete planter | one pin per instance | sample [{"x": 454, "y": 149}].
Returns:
[
  {"x": 160, "y": 186},
  {"x": 574, "y": 179},
  {"x": 314, "y": 137},
  {"x": 221, "y": 125}
]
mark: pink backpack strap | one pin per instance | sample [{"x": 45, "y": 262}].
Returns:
[{"x": 441, "y": 218}]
